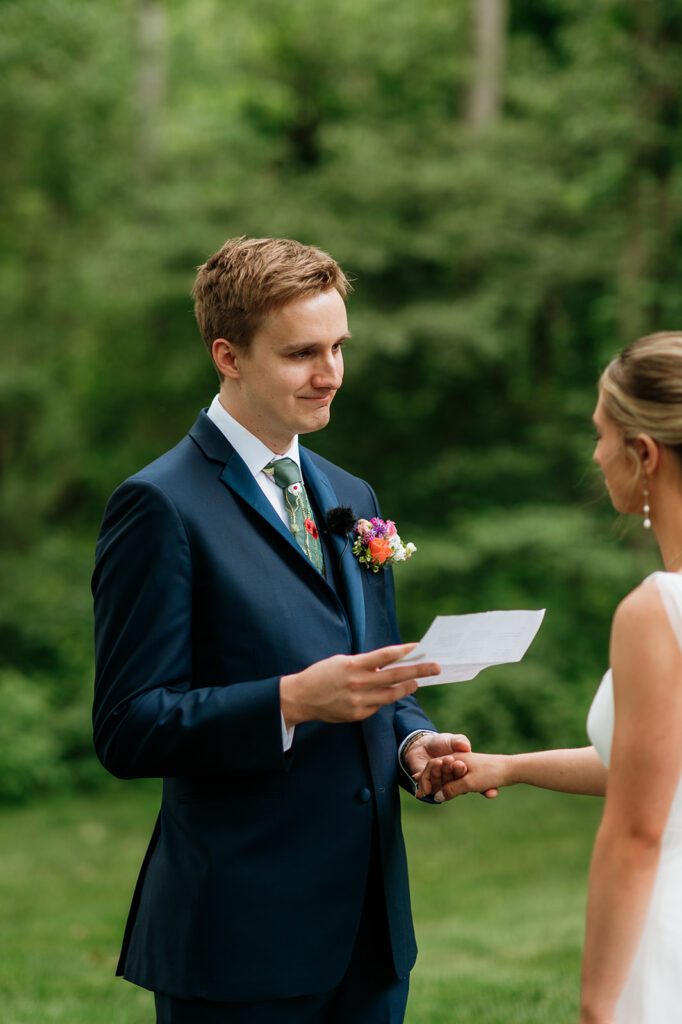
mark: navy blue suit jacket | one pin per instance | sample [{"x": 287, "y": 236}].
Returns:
[{"x": 252, "y": 886}]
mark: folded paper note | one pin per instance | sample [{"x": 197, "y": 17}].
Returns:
[{"x": 463, "y": 645}]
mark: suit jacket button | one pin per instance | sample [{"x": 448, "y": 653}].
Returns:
[{"x": 364, "y": 795}]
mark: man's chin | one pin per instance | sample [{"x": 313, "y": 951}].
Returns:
[{"x": 315, "y": 422}]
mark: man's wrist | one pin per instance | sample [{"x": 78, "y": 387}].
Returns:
[
  {"x": 409, "y": 741},
  {"x": 289, "y": 706}
]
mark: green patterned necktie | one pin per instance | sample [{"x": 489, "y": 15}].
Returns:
[{"x": 287, "y": 475}]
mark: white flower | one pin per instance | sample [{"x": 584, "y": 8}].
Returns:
[{"x": 401, "y": 551}]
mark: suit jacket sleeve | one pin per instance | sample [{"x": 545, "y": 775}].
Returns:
[{"x": 148, "y": 718}]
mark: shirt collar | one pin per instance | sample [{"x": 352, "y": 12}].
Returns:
[{"x": 251, "y": 449}]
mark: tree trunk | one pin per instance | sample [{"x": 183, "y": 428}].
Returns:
[
  {"x": 489, "y": 31},
  {"x": 152, "y": 25},
  {"x": 647, "y": 266}
]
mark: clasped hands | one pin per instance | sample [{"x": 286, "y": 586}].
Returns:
[{"x": 442, "y": 765}]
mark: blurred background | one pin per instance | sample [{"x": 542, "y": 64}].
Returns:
[{"x": 502, "y": 180}]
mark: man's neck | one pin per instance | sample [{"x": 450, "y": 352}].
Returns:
[
  {"x": 277, "y": 445},
  {"x": 253, "y": 449}
]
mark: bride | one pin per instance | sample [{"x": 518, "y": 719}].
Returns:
[{"x": 632, "y": 962}]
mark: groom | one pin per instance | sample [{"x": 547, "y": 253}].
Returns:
[{"x": 238, "y": 648}]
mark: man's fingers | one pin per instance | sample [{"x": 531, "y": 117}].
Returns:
[
  {"x": 379, "y": 696},
  {"x": 401, "y": 673},
  {"x": 384, "y": 655},
  {"x": 462, "y": 742},
  {"x": 384, "y": 672},
  {"x": 390, "y": 694}
]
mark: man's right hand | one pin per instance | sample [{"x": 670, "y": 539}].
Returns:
[{"x": 350, "y": 687}]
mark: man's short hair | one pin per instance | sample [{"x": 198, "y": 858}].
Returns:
[{"x": 249, "y": 277}]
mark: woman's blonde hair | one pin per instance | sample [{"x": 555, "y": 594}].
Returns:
[{"x": 641, "y": 390}]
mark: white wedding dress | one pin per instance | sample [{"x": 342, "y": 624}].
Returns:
[{"x": 653, "y": 991}]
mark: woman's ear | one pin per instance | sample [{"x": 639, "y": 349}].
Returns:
[{"x": 649, "y": 452}]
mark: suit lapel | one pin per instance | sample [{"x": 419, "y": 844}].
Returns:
[
  {"x": 238, "y": 478},
  {"x": 349, "y": 567}
]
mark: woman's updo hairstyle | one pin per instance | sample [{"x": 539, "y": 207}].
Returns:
[{"x": 641, "y": 390}]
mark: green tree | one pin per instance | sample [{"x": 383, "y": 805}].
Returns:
[{"x": 500, "y": 259}]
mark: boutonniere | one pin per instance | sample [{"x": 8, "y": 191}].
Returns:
[{"x": 377, "y": 544}]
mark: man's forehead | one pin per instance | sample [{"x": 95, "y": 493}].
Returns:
[{"x": 316, "y": 319}]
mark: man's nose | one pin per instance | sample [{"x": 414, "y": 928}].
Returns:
[{"x": 328, "y": 373}]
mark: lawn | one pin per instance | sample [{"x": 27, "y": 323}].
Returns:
[{"x": 498, "y": 893}]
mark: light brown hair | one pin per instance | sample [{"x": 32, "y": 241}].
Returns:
[
  {"x": 641, "y": 390},
  {"x": 249, "y": 277}
]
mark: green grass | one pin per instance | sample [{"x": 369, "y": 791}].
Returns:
[
  {"x": 498, "y": 893},
  {"x": 67, "y": 870}
]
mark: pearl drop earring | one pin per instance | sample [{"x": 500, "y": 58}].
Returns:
[{"x": 646, "y": 522}]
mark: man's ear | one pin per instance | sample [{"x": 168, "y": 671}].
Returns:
[{"x": 225, "y": 357}]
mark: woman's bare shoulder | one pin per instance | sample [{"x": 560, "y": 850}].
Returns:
[
  {"x": 642, "y": 602},
  {"x": 641, "y": 620}
]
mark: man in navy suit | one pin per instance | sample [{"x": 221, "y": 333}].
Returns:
[{"x": 253, "y": 665}]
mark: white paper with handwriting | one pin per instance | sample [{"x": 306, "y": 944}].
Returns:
[{"x": 463, "y": 645}]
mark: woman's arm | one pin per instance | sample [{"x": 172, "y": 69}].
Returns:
[
  {"x": 646, "y": 761},
  {"x": 577, "y": 770}
]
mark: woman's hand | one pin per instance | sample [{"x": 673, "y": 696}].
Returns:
[{"x": 486, "y": 773}]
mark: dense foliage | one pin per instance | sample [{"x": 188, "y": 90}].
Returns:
[{"x": 509, "y": 223}]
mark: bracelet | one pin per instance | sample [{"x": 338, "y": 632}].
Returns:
[{"x": 413, "y": 739}]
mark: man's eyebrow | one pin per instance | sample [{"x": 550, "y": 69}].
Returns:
[{"x": 296, "y": 346}]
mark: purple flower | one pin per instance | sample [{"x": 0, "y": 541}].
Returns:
[{"x": 379, "y": 527}]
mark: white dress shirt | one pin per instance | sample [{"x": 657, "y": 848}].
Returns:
[{"x": 257, "y": 455}]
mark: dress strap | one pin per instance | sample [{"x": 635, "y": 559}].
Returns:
[{"x": 669, "y": 586}]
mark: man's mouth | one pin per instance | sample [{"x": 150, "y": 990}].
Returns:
[{"x": 321, "y": 399}]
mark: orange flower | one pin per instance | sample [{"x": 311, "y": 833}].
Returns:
[{"x": 379, "y": 549}]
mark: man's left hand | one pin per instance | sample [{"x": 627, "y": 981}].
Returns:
[
  {"x": 439, "y": 745},
  {"x": 435, "y": 744}
]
